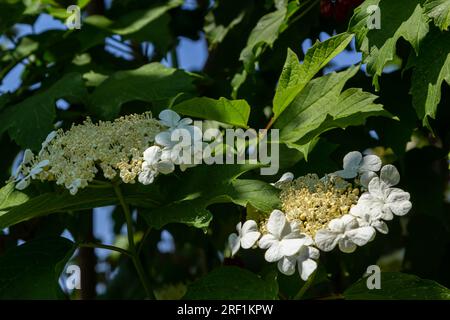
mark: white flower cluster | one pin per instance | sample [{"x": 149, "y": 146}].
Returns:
[
  {"x": 284, "y": 242},
  {"x": 168, "y": 150},
  {"x": 134, "y": 146},
  {"x": 325, "y": 213}
]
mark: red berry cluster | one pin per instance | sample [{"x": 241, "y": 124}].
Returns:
[{"x": 340, "y": 10}]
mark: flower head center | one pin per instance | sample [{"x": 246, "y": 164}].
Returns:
[{"x": 314, "y": 202}]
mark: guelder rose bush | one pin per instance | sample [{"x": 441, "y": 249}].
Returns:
[
  {"x": 266, "y": 166},
  {"x": 344, "y": 209}
]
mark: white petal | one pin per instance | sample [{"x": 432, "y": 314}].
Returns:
[
  {"x": 326, "y": 240},
  {"x": 363, "y": 222},
  {"x": 152, "y": 155},
  {"x": 274, "y": 253},
  {"x": 43, "y": 164},
  {"x": 349, "y": 222},
  {"x": 38, "y": 168},
  {"x": 27, "y": 156},
  {"x": 234, "y": 243},
  {"x": 346, "y": 245},
  {"x": 377, "y": 188},
  {"x": 313, "y": 253},
  {"x": 294, "y": 230},
  {"x": 366, "y": 177},
  {"x": 249, "y": 226},
  {"x": 366, "y": 198},
  {"x": 169, "y": 118},
  {"x": 23, "y": 184},
  {"x": 397, "y": 195},
  {"x": 359, "y": 210},
  {"x": 336, "y": 225},
  {"x": 249, "y": 239},
  {"x": 289, "y": 247},
  {"x": 165, "y": 167},
  {"x": 381, "y": 226},
  {"x": 307, "y": 252},
  {"x": 386, "y": 213},
  {"x": 49, "y": 138},
  {"x": 306, "y": 268},
  {"x": 361, "y": 236},
  {"x": 185, "y": 122},
  {"x": 266, "y": 241},
  {"x": 307, "y": 240},
  {"x": 147, "y": 177},
  {"x": 277, "y": 223},
  {"x": 400, "y": 208},
  {"x": 370, "y": 163},
  {"x": 239, "y": 228},
  {"x": 195, "y": 133},
  {"x": 389, "y": 175},
  {"x": 287, "y": 265},
  {"x": 352, "y": 161},
  {"x": 35, "y": 171},
  {"x": 166, "y": 154},
  {"x": 286, "y": 177},
  {"x": 346, "y": 173},
  {"x": 164, "y": 139}
]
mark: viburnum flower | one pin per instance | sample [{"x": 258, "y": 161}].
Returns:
[
  {"x": 354, "y": 163},
  {"x": 383, "y": 200},
  {"x": 305, "y": 259},
  {"x": 153, "y": 165},
  {"x": 182, "y": 146},
  {"x": 246, "y": 237},
  {"x": 332, "y": 211},
  {"x": 171, "y": 119},
  {"x": 73, "y": 158},
  {"x": 283, "y": 239},
  {"x": 367, "y": 217},
  {"x": 346, "y": 233}
]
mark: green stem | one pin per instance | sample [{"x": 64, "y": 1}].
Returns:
[
  {"x": 305, "y": 287},
  {"x": 132, "y": 246},
  {"x": 106, "y": 247},
  {"x": 144, "y": 237}
]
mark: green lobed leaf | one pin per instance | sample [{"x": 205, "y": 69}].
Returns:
[
  {"x": 398, "y": 19},
  {"x": 235, "y": 112},
  {"x": 322, "y": 106},
  {"x": 231, "y": 283},
  {"x": 432, "y": 68},
  {"x": 150, "y": 83},
  {"x": 439, "y": 11},
  {"x": 295, "y": 76},
  {"x": 32, "y": 270},
  {"x": 30, "y": 121},
  {"x": 206, "y": 185},
  {"x": 263, "y": 34},
  {"x": 399, "y": 286},
  {"x": 16, "y": 206}
]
